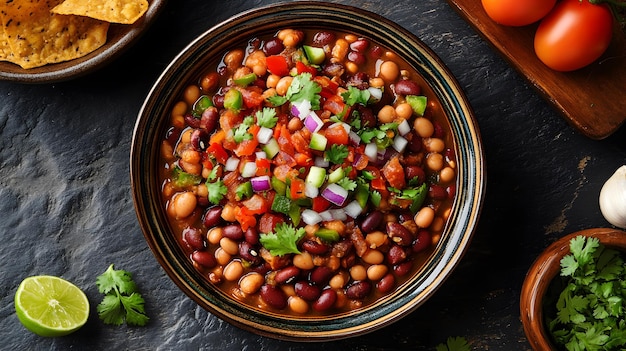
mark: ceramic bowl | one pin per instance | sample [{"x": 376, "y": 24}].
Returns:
[
  {"x": 540, "y": 276},
  {"x": 153, "y": 119}
]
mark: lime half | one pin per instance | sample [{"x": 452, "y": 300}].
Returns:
[{"x": 51, "y": 306}]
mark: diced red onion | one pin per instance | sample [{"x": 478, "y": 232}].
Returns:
[
  {"x": 335, "y": 194},
  {"x": 399, "y": 143},
  {"x": 321, "y": 161},
  {"x": 338, "y": 214},
  {"x": 260, "y": 154},
  {"x": 375, "y": 93},
  {"x": 371, "y": 151},
  {"x": 261, "y": 183},
  {"x": 353, "y": 209},
  {"x": 326, "y": 216},
  {"x": 301, "y": 108},
  {"x": 311, "y": 191},
  {"x": 231, "y": 164},
  {"x": 404, "y": 128},
  {"x": 312, "y": 122},
  {"x": 264, "y": 135},
  {"x": 355, "y": 139},
  {"x": 249, "y": 169},
  {"x": 311, "y": 217}
]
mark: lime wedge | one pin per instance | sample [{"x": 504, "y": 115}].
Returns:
[{"x": 51, "y": 306}]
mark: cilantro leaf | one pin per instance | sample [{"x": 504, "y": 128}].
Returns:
[
  {"x": 241, "y": 132},
  {"x": 122, "y": 302},
  {"x": 375, "y": 198},
  {"x": 304, "y": 88},
  {"x": 355, "y": 96},
  {"x": 336, "y": 154},
  {"x": 266, "y": 117},
  {"x": 283, "y": 240},
  {"x": 454, "y": 344},
  {"x": 347, "y": 183},
  {"x": 217, "y": 190}
]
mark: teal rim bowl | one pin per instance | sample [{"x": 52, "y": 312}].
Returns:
[{"x": 154, "y": 116}]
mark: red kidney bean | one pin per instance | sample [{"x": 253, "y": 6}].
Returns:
[
  {"x": 320, "y": 275},
  {"x": 252, "y": 235},
  {"x": 210, "y": 118},
  {"x": 327, "y": 299},
  {"x": 358, "y": 290},
  {"x": 386, "y": 284},
  {"x": 396, "y": 255},
  {"x": 422, "y": 241},
  {"x": 403, "y": 268},
  {"x": 199, "y": 139},
  {"x": 315, "y": 247},
  {"x": 438, "y": 133},
  {"x": 359, "y": 45},
  {"x": 262, "y": 268},
  {"x": 451, "y": 191},
  {"x": 212, "y": 216},
  {"x": 273, "y": 46},
  {"x": 334, "y": 70},
  {"x": 192, "y": 121},
  {"x": 407, "y": 87},
  {"x": 416, "y": 172},
  {"x": 233, "y": 232},
  {"x": 307, "y": 291},
  {"x": 323, "y": 38},
  {"x": 372, "y": 222},
  {"x": 376, "y": 52},
  {"x": 192, "y": 237},
  {"x": 368, "y": 119},
  {"x": 415, "y": 142},
  {"x": 449, "y": 154},
  {"x": 249, "y": 253},
  {"x": 285, "y": 275},
  {"x": 437, "y": 192},
  {"x": 399, "y": 234},
  {"x": 218, "y": 100},
  {"x": 273, "y": 296},
  {"x": 348, "y": 260},
  {"x": 204, "y": 258},
  {"x": 356, "y": 57},
  {"x": 405, "y": 216}
]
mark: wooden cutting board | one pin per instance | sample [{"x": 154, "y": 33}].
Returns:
[{"x": 592, "y": 99}]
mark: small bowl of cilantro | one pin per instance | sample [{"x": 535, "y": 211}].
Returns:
[{"x": 574, "y": 294}]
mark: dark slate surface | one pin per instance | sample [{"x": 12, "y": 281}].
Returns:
[{"x": 67, "y": 210}]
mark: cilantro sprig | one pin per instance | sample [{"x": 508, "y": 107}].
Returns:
[
  {"x": 215, "y": 187},
  {"x": 284, "y": 240},
  {"x": 122, "y": 302},
  {"x": 591, "y": 308},
  {"x": 302, "y": 87},
  {"x": 454, "y": 344}
]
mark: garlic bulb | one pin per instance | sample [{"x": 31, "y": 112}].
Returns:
[{"x": 613, "y": 198}]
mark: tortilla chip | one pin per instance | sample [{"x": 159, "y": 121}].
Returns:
[
  {"x": 37, "y": 37},
  {"x": 114, "y": 11}
]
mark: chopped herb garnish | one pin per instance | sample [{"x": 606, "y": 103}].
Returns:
[
  {"x": 301, "y": 88},
  {"x": 122, "y": 301},
  {"x": 454, "y": 344},
  {"x": 266, "y": 117},
  {"x": 241, "y": 132},
  {"x": 284, "y": 240},
  {"x": 347, "y": 183},
  {"x": 215, "y": 187},
  {"x": 336, "y": 154},
  {"x": 356, "y": 96}
]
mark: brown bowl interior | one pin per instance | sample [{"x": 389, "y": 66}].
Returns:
[{"x": 540, "y": 275}]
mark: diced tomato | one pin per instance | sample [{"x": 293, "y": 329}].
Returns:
[
  {"x": 283, "y": 158},
  {"x": 216, "y": 150},
  {"x": 303, "y": 159},
  {"x": 334, "y": 104},
  {"x": 229, "y": 119},
  {"x": 268, "y": 222},
  {"x": 282, "y": 172},
  {"x": 277, "y": 65},
  {"x": 320, "y": 204},
  {"x": 245, "y": 219},
  {"x": 327, "y": 85},
  {"x": 296, "y": 189},
  {"x": 246, "y": 147},
  {"x": 217, "y": 137},
  {"x": 336, "y": 134},
  {"x": 263, "y": 167},
  {"x": 255, "y": 205},
  {"x": 300, "y": 143},
  {"x": 252, "y": 97},
  {"x": 394, "y": 173},
  {"x": 302, "y": 68}
]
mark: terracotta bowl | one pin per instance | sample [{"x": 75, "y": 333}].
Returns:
[
  {"x": 540, "y": 276},
  {"x": 153, "y": 120}
]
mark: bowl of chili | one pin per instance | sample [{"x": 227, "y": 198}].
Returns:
[{"x": 305, "y": 183}]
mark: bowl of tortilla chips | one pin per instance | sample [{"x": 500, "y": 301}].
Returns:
[{"x": 50, "y": 41}]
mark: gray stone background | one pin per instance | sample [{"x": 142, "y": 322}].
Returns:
[{"x": 66, "y": 207}]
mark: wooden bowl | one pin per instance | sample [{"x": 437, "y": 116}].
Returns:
[{"x": 540, "y": 276}]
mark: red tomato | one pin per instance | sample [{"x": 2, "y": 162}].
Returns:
[
  {"x": 277, "y": 65},
  {"x": 573, "y": 35},
  {"x": 337, "y": 134},
  {"x": 517, "y": 12}
]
